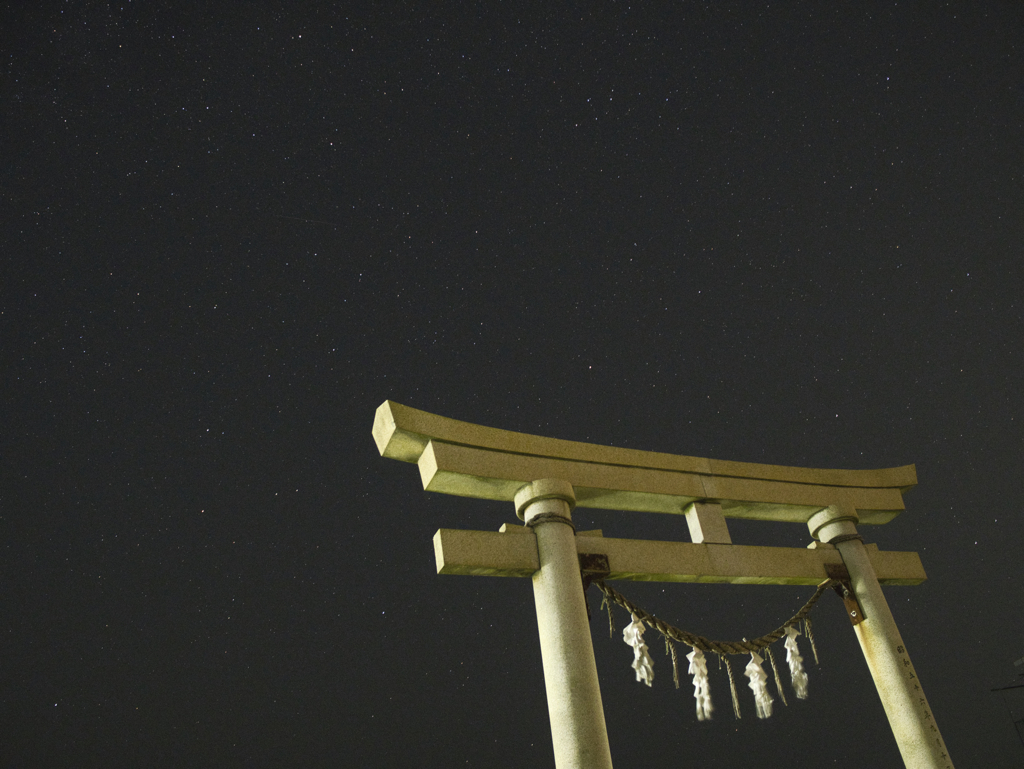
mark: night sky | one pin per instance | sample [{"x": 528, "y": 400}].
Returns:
[{"x": 785, "y": 233}]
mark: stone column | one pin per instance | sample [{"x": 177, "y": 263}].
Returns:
[
  {"x": 578, "y": 729},
  {"x": 898, "y": 686}
]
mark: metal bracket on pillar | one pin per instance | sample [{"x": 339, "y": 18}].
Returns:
[
  {"x": 839, "y": 572},
  {"x": 592, "y": 566}
]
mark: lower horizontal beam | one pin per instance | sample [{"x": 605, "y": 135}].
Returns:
[{"x": 513, "y": 553}]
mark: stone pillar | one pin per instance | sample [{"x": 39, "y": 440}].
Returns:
[
  {"x": 898, "y": 686},
  {"x": 578, "y": 729}
]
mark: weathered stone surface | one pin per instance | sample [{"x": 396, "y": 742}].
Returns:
[{"x": 486, "y": 463}]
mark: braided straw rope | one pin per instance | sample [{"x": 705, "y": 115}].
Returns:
[{"x": 705, "y": 644}]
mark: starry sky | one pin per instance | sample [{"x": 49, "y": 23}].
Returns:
[{"x": 786, "y": 233}]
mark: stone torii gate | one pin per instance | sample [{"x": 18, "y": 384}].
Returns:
[{"x": 547, "y": 477}]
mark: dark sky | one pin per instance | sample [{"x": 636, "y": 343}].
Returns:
[{"x": 785, "y": 233}]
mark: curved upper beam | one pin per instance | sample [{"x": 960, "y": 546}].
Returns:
[{"x": 474, "y": 461}]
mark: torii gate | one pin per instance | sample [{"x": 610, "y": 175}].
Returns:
[{"x": 547, "y": 477}]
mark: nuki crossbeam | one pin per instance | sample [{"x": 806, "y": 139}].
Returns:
[{"x": 545, "y": 478}]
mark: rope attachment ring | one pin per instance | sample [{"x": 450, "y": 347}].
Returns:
[
  {"x": 548, "y": 518},
  {"x": 845, "y": 538}
]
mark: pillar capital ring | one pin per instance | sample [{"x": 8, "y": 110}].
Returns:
[
  {"x": 545, "y": 489},
  {"x": 834, "y": 521}
]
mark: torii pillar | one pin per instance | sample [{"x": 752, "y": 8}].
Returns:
[
  {"x": 899, "y": 689},
  {"x": 578, "y": 731},
  {"x": 546, "y": 478}
]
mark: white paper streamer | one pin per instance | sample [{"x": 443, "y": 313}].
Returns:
[
  {"x": 758, "y": 684},
  {"x": 633, "y": 634},
  {"x": 701, "y": 685},
  {"x": 796, "y": 663}
]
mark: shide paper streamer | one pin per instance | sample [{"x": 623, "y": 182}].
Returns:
[
  {"x": 759, "y": 685},
  {"x": 701, "y": 685},
  {"x": 633, "y": 634},
  {"x": 796, "y": 664}
]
